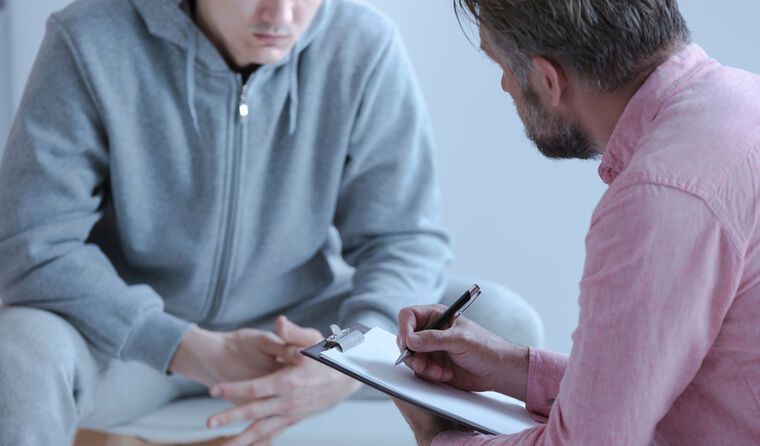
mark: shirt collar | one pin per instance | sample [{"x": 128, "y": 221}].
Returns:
[{"x": 643, "y": 107}]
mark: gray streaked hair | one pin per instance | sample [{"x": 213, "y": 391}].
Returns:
[{"x": 607, "y": 43}]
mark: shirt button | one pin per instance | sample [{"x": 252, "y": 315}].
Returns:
[{"x": 550, "y": 402}]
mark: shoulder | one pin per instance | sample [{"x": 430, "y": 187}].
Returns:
[
  {"x": 355, "y": 33},
  {"x": 358, "y": 19},
  {"x": 705, "y": 141},
  {"x": 97, "y": 23},
  {"x": 703, "y": 132},
  {"x": 82, "y": 16}
]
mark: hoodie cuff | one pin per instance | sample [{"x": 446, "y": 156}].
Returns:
[
  {"x": 371, "y": 319},
  {"x": 154, "y": 340}
]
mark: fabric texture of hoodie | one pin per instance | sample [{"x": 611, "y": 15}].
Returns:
[{"x": 137, "y": 197}]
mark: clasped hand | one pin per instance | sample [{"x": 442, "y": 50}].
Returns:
[{"x": 263, "y": 373}]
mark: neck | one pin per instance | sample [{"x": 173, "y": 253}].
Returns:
[{"x": 599, "y": 113}]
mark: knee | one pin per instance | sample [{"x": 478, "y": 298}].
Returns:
[
  {"x": 502, "y": 311},
  {"x": 34, "y": 345}
]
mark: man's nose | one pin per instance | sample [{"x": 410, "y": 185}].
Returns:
[{"x": 277, "y": 12}]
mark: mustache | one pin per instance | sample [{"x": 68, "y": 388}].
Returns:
[{"x": 265, "y": 28}]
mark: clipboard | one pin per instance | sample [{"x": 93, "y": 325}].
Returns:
[{"x": 491, "y": 406}]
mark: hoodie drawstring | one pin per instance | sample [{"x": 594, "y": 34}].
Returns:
[
  {"x": 192, "y": 50},
  {"x": 293, "y": 93}
]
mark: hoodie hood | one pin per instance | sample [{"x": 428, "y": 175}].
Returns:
[{"x": 169, "y": 20}]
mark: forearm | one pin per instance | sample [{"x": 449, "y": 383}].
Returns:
[
  {"x": 393, "y": 272},
  {"x": 125, "y": 322}
]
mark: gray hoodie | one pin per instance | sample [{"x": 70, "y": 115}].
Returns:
[{"x": 136, "y": 199}]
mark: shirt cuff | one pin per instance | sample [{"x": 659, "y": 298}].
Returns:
[
  {"x": 155, "y": 339},
  {"x": 545, "y": 371}
]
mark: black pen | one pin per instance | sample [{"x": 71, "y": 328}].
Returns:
[{"x": 451, "y": 313}]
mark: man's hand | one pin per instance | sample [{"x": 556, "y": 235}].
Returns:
[
  {"x": 210, "y": 357},
  {"x": 424, "y": 424},
  {"x": 288, "y": 395},
  {"x": 466, "y": 355}
]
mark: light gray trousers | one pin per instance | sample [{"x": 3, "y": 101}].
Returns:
[{"x": 52, "y": 381}]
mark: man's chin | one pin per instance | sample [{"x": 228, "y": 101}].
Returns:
[{"x": 267, "y": 55}]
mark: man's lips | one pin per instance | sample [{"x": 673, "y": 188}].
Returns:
[{"x": 270, "y": 38}]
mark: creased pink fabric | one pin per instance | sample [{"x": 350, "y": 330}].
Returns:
[{"x": 667, "y": 349}]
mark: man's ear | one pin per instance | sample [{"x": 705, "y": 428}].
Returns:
[{"x": 550, "y": 80}]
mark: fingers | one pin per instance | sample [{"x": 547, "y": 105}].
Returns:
[
  {"x": 295, "y": 334},
  {"x": 411, "y": 319},
  {"x": 294, "y": 355},
  {"x": 253, "y": 411},
  {"x": 253, "y": 389},
  {"x": 261, "y": 432},
  {"x": 451, "y": 340},
  {"x": 273, "y": 345},
  {"x": 431, "y": 367}
]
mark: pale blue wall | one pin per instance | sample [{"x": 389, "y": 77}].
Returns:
[{"x": 530, "y": 214}]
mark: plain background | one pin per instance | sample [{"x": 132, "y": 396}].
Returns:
[{"x": 516, "y": 218}]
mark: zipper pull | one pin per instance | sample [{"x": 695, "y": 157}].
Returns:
[
  {"x": 242, "y": 105},
  {"x": 243, "y": 110}
]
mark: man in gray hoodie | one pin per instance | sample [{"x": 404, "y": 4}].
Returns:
[{"x": 178, "y": 171}]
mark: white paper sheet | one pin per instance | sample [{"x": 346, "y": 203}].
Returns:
[{"x": 374, "y": 358}]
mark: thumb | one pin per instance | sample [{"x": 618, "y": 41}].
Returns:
[{"x": 295, "y": 334}]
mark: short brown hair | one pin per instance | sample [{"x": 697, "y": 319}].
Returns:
[{"x": 608, "y": 43}]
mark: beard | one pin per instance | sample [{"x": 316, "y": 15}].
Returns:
[{"x": 554, "y": 136}]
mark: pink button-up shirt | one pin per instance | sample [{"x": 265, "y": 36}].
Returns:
[{"x": 667, "y": 349}]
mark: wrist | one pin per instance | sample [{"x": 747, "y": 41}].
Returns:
[
  {"x": 514, "y": 382},
  {"x": 187, "y": 359},
  {"x": 425, "y": 436}
]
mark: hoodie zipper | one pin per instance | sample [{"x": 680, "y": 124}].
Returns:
[{"x": 222, "y": 276}]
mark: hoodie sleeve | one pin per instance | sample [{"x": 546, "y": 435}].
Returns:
[
  {"x": 388, "y": 211},
  {"x": 53, "y": 185}
]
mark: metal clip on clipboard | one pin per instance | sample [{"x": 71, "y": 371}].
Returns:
[{"x": 344, "y": 339}]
